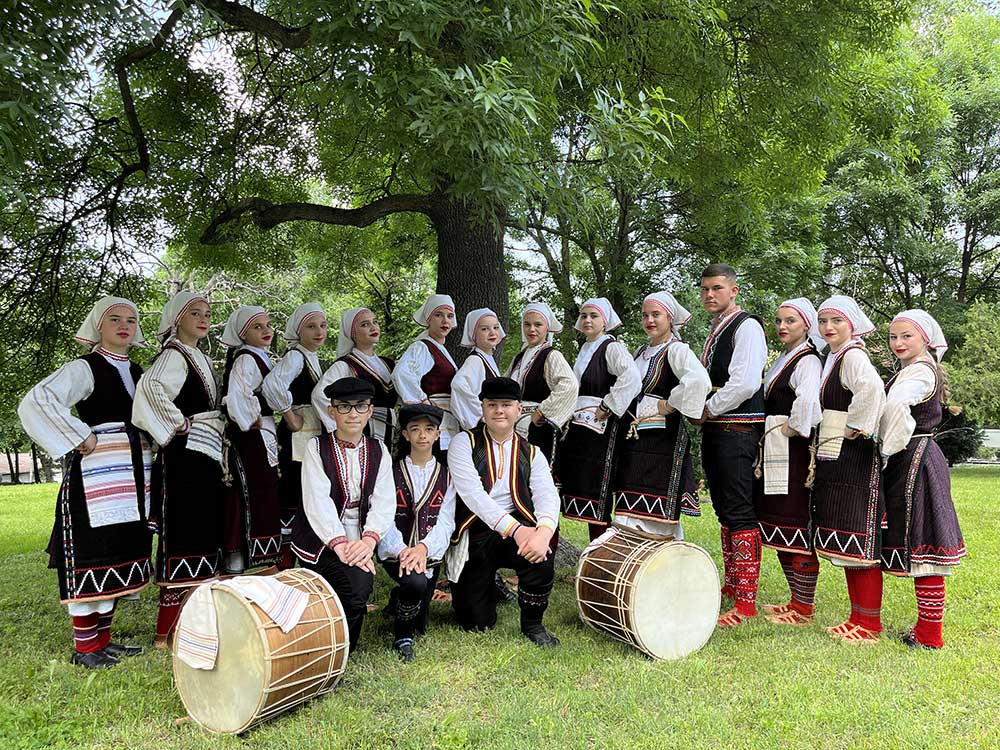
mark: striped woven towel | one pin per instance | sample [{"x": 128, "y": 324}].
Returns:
[
  {"x": 775, "y": 456},
  {"x": 205, "y": 435},
  {"x": 197, "y": 629},
  {"x": 109, "y": 477},
  {"x": 831, "y": 434}
]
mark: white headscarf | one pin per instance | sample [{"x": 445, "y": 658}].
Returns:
[
  {"x": 298, "y": 317},
  {"x": 345, "y": 339},
  {"x": 611, "y": 319},
  {"x": 861, "y": 325},
  {"x": 238, "y": 324},
  {"x": 174, "y": 309},
  {"x": 929, "y": 329},
  {"x": 546, "y": 312},
  {"x": 808, "y": 314},
  {"x": 423, "y": 315},
  {"x": 678, "y": 315},
  {"x": 89, "y": 333},
  {"x": 472, "y": 320}
]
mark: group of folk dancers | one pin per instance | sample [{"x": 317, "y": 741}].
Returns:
[{"x": 816, "y": 457}]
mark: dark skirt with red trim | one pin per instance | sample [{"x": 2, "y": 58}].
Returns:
[
  {"x": 253, "y": 510},
  {"x": 104, "y": 562},
  {"x": 848, "y": 504},
  {"x": 289, "y": 482},
  {"x": 784, "y": 519},
  {"x": 922, "y": 525},
  {"x": 545, "y": 437},
  {"x": 584, "y": 466}
]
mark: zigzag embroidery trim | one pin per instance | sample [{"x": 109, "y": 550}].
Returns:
[
  {"x": 579, "y": 507},
  {"x": 196, "y": 573},
  {"x": 853, "y": 540},
  {"x": 142, "y": 569},
  {"x": 797, "y": 539},
  {"x": 270, "y": 546}
]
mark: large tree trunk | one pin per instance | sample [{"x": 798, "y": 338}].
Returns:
[{"x": 471, "y": 264}]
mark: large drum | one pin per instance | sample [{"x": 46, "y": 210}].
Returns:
[
  {"x": 660, "y": 596},
  {"x": 261, "y": 671}
]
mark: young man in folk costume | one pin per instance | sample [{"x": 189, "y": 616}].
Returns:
[
  {"x": 732, "y": 423},
  {"x": 176, "y": 402},
  {"x": 426, "y": 369},
  {"x": 654, "y": 483},
  {"x": 347, "y": 501},
  {"x": 506, "y": 516},
  {"x": 252, "y": 531},
  {"x": 848, "y": 501},
  {"x": 100, "y": 543},
  {"x": 923, "y": 540},
  {"x": 548, "y": 383},
  {"x": 791, "y": 406},
  {"x": 609, "y": 381},
  {"x": 425, "y": 519},
  {"x": 288, "y": 389},
  {"x": 356, "y": 358}
]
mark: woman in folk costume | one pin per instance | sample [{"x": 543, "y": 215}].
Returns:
[
  {"x": 356, "y": 358},
  {"x": 252, "y": 531},
  {"x": 609, "y": 381},
  {"x": 848, "y": 503},
  {"x": 923, "y": 539},
  {"x": 176, "y": 402},
  {"x": 482, "y": 333},
  {"x": 792, "y": 410},
  {"x": 100, "y": 543},
  {"x": 654, "y": 482},
  {"x": 547, "y": 381},
  {"x": 288, "y": 389},
  {"x": 426, "y": 369}
]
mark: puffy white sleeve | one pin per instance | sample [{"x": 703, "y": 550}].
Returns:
[
  {"x": 629, "y": 382},
  {"x": 153, "y": 409},
  {"x": 410, "y": 369},
  {"x": 279, "y": 380},
  {"x": 45, "y": 409},
  {"x": 913, "y": 385},
  {"x": 382, "y": 504},
  {"x": 316, "y": 503},
  {"x": 805, "y": 381},
  {"x": 320, "y": 402},
  {"x": 563, "y": 387},
  {"x": 860, "y": 377},
  {"x": 241, "y": 403},
  {"x": 688, "y": 396},
  {"x": 465, "y": 387}
]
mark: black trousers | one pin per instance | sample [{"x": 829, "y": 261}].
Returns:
[
  {"x": 473, "y": 595},
  {"x": 352, "y": 584},
  {"x": 728, "y": 456},
  {"x": 412, "y": 596}
]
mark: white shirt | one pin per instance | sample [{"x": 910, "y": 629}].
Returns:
[
  {"x": 153, "y": 409},
  {"x": 467, "y": 383},
  {"x": 560, "y": 378},
  {"x": 494, "y": 508},
  {"x": 339, "y": 370},
  {"x": 439, "y": 537},
  {"x": 413, "y": 365},
  {"x": 914, "y": 384},
  {"x": 859, "y": 376},
  {"x": 279, "y": 380},
  {"x": 620, "y": 364},
  {"x": 745, "y": 368},
  {"x": 45, "y": 409},
  {"x": 244, "y": 380},
  {"x": 804, "y": 381},
  {"x": 322, "y": 513},
  {"x": 688, "y": 396}
]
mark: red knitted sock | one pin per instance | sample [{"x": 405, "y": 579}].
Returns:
[
  {"x": 104, "y": 627},
  {"x": 85, "y": 633},
  {"x": 805, "y": 572},
  {"x": 866, "y": 600},
  {"x": 746, "y": 564},
  {"x": 728, "y": 571},
  {"x": 930, "y": 610},
  {"x": 785, "y": 560},
  {"x": 170, "y": 609}
]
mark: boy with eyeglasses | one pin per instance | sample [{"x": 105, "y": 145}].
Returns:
[{"x": 348, "y": 501}]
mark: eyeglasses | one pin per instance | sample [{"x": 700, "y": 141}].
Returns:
[{"x": 360, "y": 407}]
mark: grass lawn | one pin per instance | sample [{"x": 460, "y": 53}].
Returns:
[{"x": 759, "y": 687}]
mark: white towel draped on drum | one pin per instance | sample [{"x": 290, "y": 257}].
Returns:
[
  {"x": 109, "y": 477},
  {"x": 831, "y": 434},
  {"x": 197, "y": 629},
  {"x": 775, "y": 456}
]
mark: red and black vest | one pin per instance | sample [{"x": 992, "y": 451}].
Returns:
[
  {"x": 832, "y": 393},
  {"x": 597, "y": 380},
  {"x": 110, "y": 401},
  {"x": 438, "y": 379},
  {"x": 263, "y": 366},
  {"x": 534, "y": 388},
  {"x": 519, "y": 478},
  {"x": 302, "y": 385},
  {"x": 385, "y": 391},
  {"x": 717, "y": 356},
  {"x": 779, "y": 396},
  {"x": 307, "y": 545},
  {"x": 418, "y": 514},
  {"x": 195, "y": 395}
]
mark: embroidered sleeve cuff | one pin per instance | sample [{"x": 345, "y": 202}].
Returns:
[
  {"x": 506, "y": 526},
  {"x": 549, "y": 523},
  {"x": 371, "y": 535},
  {"x": 336, "y": 541}
]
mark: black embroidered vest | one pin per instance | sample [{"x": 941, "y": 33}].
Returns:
[
  {"x": 717, "y": 356},
  {"x": 110, "y": 401},
  {"x": 779, "y": 396},
  {"x": 535, "y": 388},
  {"x": 419, "y": 513}
]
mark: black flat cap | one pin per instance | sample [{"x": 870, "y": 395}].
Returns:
[
  {"x": 349, "y": 389},
  {"x": 410, "y": 412},
  {"x": 501, "y": 389}
]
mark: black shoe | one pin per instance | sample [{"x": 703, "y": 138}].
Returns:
[
  {"x": 502, "y": 591},
  {"x": 909, "y": 640},
  {"x": 94, "y": 660},
  {"x": 404, "y": 648},
  {"x": 119, "y": 650},
  {"x": 541, "y": 637}
]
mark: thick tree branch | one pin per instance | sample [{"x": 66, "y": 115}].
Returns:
[
  {"x": 267, "y": 215},
  {"x": 247, "y": 19}
]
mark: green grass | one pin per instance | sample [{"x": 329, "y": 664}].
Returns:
[{"x": 759, "y": 687}]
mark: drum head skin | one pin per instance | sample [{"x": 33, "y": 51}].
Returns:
[
  {"x": 227, "y": 698},
  {"x": 675, "y": 601}
]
